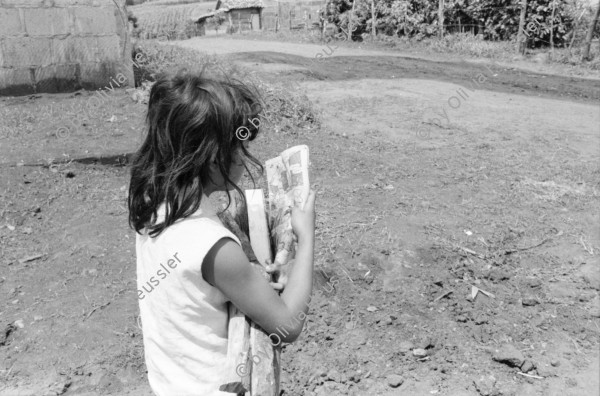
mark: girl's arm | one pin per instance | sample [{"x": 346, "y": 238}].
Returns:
[{"x": 227, "y": 268}]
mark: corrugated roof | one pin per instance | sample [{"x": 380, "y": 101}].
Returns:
[
  {"x": 200, "y": 18},
  {"x": 237, "y": 4}
]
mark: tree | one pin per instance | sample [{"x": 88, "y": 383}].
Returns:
[
  {"x": 215, "y": 22},
  {"x": 373, "y": 21},
  {"x": 590, "y": 34},
  {"x": 545, "y": 21},
  {"x": 441, "y": 18},
  {"x": 521, "y": 34}
]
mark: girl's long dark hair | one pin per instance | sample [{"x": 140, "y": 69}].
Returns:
[{"x": 190, "y": 119}]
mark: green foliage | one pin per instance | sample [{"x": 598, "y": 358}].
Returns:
[
  {"x": 493, "y": 19},
  {"x": 215, "y": 22},
  {"x": 159, "y": 58},
  {"x": 540, "y": 23},
  {"x": 286, "y": 109},
  {"x": 165, "y": 22}
]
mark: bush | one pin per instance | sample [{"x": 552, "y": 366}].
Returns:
[
  {"x": 165, "y": 22},
  {"x": 473, "y": 45},
  {"x": 158, "y": 58},
  {"x": 284, "y": 109}
]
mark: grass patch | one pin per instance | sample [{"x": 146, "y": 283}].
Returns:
[
  {"x": 168, "y": 22},
  {"x": 285, "y": 109}
]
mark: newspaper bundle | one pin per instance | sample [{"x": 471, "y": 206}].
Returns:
[{"x": 288, "y": 181}]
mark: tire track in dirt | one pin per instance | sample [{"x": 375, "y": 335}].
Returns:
[{"x": 510, "y": 80}]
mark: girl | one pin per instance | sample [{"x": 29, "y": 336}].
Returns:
[{"x": 188, "y": 264}]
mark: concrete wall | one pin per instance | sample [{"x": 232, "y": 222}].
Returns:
[{"x": 63, "y": 45}]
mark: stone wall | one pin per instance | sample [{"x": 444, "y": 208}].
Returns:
[{"x": 63, "y": 45}]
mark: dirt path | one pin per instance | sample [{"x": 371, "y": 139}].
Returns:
[
  {"x": 329, "y": 61},
  {"x": 233, "y": 44}
]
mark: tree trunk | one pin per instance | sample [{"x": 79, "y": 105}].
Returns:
[
  {"x": 520, "y": 35},
  {"x": 590, "y": 33},
  {"x": 552, "y": 29},
  {"x": 441, "y": 17},
  {"x": 373, "y": 20},
  {"x": 277, "y": 17},
  {"x": 405, "y": 20},
  {"x": 575, "y": 31},
  {"x": 350, "y": 27}
]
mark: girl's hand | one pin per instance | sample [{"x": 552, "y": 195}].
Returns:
[
  {"x": 303, "y": 220},
  {"x": 275, "y": 271}
]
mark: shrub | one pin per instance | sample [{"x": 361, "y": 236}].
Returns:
[
  {"x": 166, "y": 22},
  {"x": 287, "y": 110}
]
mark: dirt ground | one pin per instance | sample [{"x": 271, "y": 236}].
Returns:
[{"x": 437, "y": 180}]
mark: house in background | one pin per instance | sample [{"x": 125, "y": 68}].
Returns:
[
  {"x": 248, "y": 15},
  {"x": 241, "y": 15}
]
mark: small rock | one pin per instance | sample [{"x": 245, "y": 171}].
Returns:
[
  {"x": 388, "y": 321},
  {"x": 37, "y": 318},
  {"x": 585, "y": 297},
  {"x": 354, "y": 376},
  {"x": 427, "y": 343},
  {"x": 5, "y": 333},
  {"x": 497, "y": 275},
  {"x": 395, "y": 380},
  {"x": 405, "y": 347},
  {"x": 527, "y": 366},
  {"x": 509, "y": 355},
  {"x": 27, "y": 230},
  {"x": 334, "y": 375},
  {"x": 504, "y": 389},
  {"x": 529, "y": 301},
  {"x": 595, "y": 311},
  {"x": 58, "y": 388},
  {"x": 19, "y": 323},
  {"x": 419, "y": 352},
  {"x": 485, "y": 385},
  {"x": 10, "y": 227},
  {"x": 545, "y": 371},
  {"x": 534, "y": 283},
  {"x": 372, "y": 309},
  {"x": 555, "y": 363}
]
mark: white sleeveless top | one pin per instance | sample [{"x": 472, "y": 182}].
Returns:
[{"x": 184, "y": 318}]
